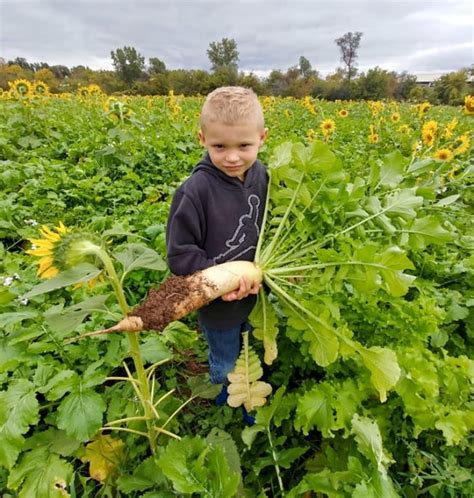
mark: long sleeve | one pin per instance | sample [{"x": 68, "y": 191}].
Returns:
[{"x": 184, "y": 236}]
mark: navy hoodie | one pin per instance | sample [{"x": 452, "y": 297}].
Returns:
[{"x": 216, "y": 218}]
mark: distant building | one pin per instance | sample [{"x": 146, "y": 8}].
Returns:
[{"x": 428, "y": 79}]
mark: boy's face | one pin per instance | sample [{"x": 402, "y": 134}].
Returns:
[{"x": 233, "y": 148}]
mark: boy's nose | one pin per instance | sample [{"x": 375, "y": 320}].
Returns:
[{"x": 232, "y": 157}]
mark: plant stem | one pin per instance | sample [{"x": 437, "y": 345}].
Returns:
[
  {"x": 143, "y": 387},
  {"x": 277, "y": 467}
]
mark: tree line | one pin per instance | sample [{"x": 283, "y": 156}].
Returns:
[{"x": 133, "y": 76}]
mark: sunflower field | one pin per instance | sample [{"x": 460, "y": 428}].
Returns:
[{"x": 364, "y": 336}]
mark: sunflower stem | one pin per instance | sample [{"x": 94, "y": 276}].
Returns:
[{"x": 143, "y": 386}]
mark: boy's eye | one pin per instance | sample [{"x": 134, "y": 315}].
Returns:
[{"x": 243, "y": 146}]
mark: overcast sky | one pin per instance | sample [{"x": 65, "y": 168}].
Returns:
[{"x": 418, "y": 36}]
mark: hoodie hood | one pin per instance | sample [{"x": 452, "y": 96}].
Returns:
[{"x": 206, "y": 165}]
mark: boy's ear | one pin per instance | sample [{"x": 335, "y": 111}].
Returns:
[
  {"x": 263, "y": 135},
  {"x": 202, "y": 139}
]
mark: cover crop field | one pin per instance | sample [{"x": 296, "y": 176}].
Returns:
[{"x": 364, "y": 329}]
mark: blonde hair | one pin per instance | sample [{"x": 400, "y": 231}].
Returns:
[{"x": 232, "y": 105}]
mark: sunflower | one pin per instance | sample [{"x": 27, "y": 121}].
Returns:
[
  {"x": 448, "y": 131},
  {"x": 40, "y": 88},
  {"x": 404, "y": 129},
  {"x": 20, "y": 88},
  {"x": 443, "y": 155},
  {"x": 464, "y": 144},
  {"x": 428, "y": 132},
  {"x": 422, "y": 108},
  {"x": 60, "y": 249},
  {"x": 373, "y": 137},
  {"x": 310, "y": 134},
  {"x": 308, "y": 104},
  {"x": 45, "y": 248},
  {"x": 328, "y": 126},
  {"x": 343, "y": 113},
  {"x": 469, "y": 104},
  {"x": 94, "y": 89},
  {"x": 395, "y": 117},
  {"x": 83, "y": 91}
]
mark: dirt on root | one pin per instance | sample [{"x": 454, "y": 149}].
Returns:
[{"x": 176, "y": 297}]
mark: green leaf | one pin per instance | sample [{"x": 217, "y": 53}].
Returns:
[
  {"x": 146, "y": 475},
  {"x": 80, "y": 414},
  {"x": 281, "y": 156},
  {"x": 41, "y": 474},
  {"x": 265, "y": 322},
  {"x": 403, "y": 203},
  {"x": 19, "y": 409},
  {"x": 383, "y": 366},
  {"x": 392, "y": 169},
  {"x": 447, "y": 201},
  {"x": 223, "y": 482},
  {"x": 421, "y": 166},
  {"x": 202, "y": 388},
  {"x": 153, "y": 349},
  {"x": 263, "y": 417},
  {"x": 428, "y": 230},
  {"x": 456, "y": 425},
  {"x": 140, "y": 256},
  {"x": 219, "y": 438},
  {"x": 320, "y": 159},
  {"x": 369, "y": 443},
  {"x": 369, "y": 440},
  {"x": 285, "y": 458},
  {"x": 180, "y": 461},
  {"x": 67, "y": 319},
  {"x": 323, "y": 343},
  {"x": 16, "y": 317},
  {"x": 314, "y": 410},
  {"x": 392, "y": 262},
  {"x": 80, "y": 273}
]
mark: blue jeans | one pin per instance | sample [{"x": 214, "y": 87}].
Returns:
[{"x": 224, "y": 349}]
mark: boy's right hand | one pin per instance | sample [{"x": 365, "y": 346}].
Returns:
[{"x": 244, "y": 290}]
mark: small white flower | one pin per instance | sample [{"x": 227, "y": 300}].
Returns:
[
  {"x": 7, "y": 281},
  {"x": 31, "y": 222},
  {"x": 24, "y": 301}
]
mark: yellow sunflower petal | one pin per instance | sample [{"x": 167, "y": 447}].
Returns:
[
  {"x": 45, "y": 243},
  {"x": 41, "y": 251},
  {"x": 50, "y": 272},
  {"x": 61, "y": 228},
  {"x": 49, "y": 234},
  {"x": 45, "y": 263}
]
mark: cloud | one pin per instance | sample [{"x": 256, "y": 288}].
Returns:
[{"x": 270, "y": 34}]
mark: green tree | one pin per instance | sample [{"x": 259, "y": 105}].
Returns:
[
  {"x": 156, "y": 66},
  {"x": 128, "y": 64},
  {"x": 22, "y": 62},
  {"x": 376, "y": 84},
  {"x": 349, "y": 44},
  {"x": 223, "y": 54},
  {"x": 405, "y": 83},
  {"x": 452, "y": 87},
  {"x": 305, "y": 68}
]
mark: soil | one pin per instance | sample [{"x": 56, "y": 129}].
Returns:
[{"x": 176, "y": 297}]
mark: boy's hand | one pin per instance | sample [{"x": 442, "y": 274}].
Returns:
[{"x": 244, "y": 290}]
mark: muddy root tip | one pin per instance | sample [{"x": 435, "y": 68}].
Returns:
[{"x": 129, "y": 324}]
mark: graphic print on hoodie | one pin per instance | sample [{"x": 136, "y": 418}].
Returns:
[
  {"x": 215, "y": 218},
  {"x": 247, "y": 228}
]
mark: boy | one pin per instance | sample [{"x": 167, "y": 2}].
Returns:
[{"x": 216, "y": 215}]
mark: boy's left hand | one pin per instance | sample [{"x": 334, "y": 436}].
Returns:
[{"x": 244, "y": 290}]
